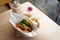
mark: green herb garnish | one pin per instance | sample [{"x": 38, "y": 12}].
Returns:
[{"x": 24, "y": 22}]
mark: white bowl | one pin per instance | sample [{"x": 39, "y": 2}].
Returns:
[{"x": 18, "y": 17}]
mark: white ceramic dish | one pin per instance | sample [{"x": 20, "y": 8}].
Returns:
[{"x": 17, "y": 17}]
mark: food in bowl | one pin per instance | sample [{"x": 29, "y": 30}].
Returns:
[
  {"x": 28, "y": 15},
  {"x": 34, "y": 19},
  {"x": 25, "y": 25}
]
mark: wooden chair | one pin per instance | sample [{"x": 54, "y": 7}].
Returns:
[{"x": 3, "y": 2}]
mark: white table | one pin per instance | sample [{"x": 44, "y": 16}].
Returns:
[{"x": 49, "y": 30}]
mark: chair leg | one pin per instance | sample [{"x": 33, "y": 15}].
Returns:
[{"x": 57, "y": 11}]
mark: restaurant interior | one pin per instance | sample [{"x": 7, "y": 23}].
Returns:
[{"x": 29, "y": 19}]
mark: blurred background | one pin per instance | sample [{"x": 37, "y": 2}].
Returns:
[{"x": 49, "y": 7}]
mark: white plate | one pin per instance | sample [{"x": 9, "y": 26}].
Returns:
[{"x": 14, "y": 17}]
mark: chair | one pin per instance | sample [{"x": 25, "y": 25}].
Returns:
[
  {"x": 3, "y": 2},
  {"x": 58, "y": 10}
]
